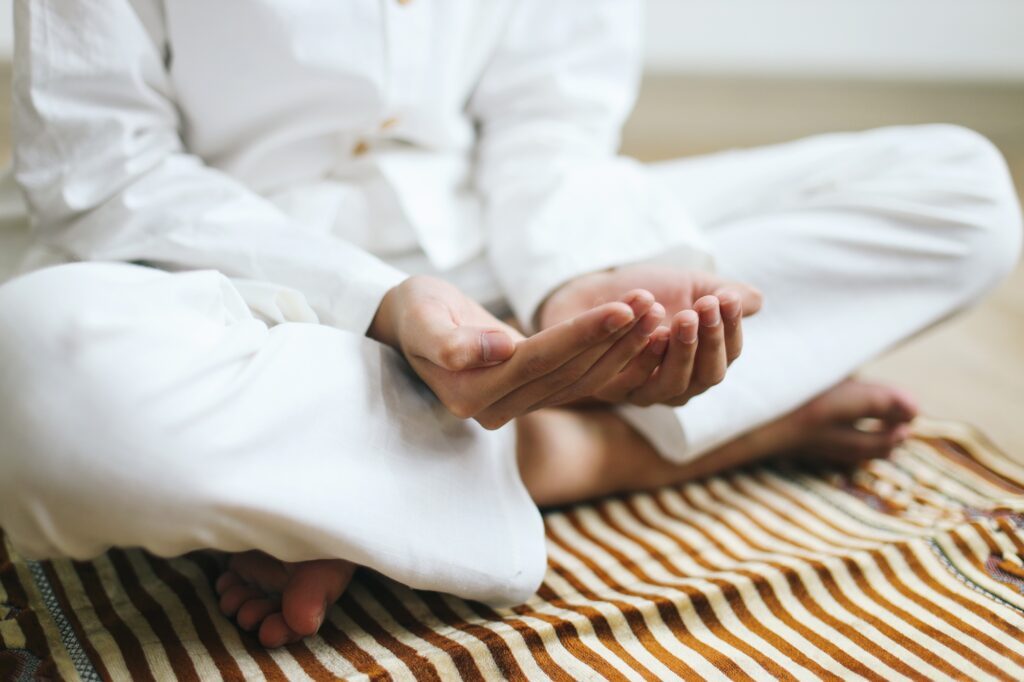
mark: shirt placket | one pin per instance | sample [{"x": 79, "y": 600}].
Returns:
[{"x": 405, "y": 30}]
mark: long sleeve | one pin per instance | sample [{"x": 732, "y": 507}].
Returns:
[
  {"x": 100, "y": 159},
  {"x": 558, "y": 202}
]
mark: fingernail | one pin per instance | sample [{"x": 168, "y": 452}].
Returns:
[
  {"x": 485, "y": 345},
  {"x": 687, "y": 332},
  {"x": 638, "y": 298},
  {"x": 731, "y": 308},
  {"x": 652, "y": 319},
  {"x": 711, "y": 317},
  {"x": 659, "y": 345},
  {"x": 617, "y": 320},
  {"x": 494, "y": 346}
]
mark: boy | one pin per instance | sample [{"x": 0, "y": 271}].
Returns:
[{"x": 301, "y": 225}]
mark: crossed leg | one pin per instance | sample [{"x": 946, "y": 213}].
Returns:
[
  {"x": 567, "y": 456},
  {"x": 132, "y": 396},
  {"x": 857, "y": 240}
]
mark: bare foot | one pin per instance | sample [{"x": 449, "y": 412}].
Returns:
[
  {"x": 284, "y": 601},
  {"x": 567, "y": 456},
  {"x": 852, "y": 421}
]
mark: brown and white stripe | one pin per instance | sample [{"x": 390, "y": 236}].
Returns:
[{"x": 902, "y": 569}]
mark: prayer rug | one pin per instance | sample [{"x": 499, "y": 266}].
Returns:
[{"x": 907, "y": 568}]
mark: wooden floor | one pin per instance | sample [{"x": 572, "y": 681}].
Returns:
[{"x": 970, "y": 368}]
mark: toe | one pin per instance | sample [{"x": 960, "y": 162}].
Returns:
[
  {"x": 899, "y": 434},
  {"x": 260, "y": 569},
  {"x": 253, "y": 612},
  {"x": 226, "y": 580},
  {"x": 312, "y": 588},
  {"x": 848, "y": 445},
  {"x": 274, "y": 632},
  {"x": 234, "y": 597},
  {"x": 904, "y": 407}
]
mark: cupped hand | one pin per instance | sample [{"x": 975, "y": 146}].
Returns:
[
  {"x": 483, "y": 369},
  {"x": 702, "y": 335}
]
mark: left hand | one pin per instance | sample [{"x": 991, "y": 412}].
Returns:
[{"x": 702, "y": 337}]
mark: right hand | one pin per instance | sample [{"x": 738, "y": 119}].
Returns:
[
  {"x": 484, "y": 369},
  {"x": 702, "y": 338}
]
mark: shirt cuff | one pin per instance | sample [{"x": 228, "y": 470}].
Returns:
[{"x": 355, "y": 304}]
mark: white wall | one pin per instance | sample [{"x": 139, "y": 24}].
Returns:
[
  {"x": 930, "y": 39},
  {"x": 926, "y": 39},
  {"x": 6, "y": 29}
]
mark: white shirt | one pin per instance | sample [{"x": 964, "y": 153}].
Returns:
[{"x": 315, "y": 144}]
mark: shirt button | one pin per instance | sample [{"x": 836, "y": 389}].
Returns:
[
  {"x": 388, "y": 123},
  {"x": 361, "y": 148}
]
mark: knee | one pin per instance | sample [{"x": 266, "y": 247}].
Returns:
[
  {"x": 30, "y": 398},
  {"x": 971, "y": 191},
  {"x": 69, "y": 433},
  {"x": 51, "y": 321}
]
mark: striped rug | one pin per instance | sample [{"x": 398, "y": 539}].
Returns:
[{"x": 908, "y": 568}]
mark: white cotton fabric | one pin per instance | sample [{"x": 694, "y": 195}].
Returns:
[
  {"x": 177, "y": 411},
  {"x": 304, "y": 143},
  {"x": 248, "y": 146},
  {"x": 167, "y": 416}
]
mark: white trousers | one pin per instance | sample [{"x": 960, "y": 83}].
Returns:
[{"x": 180, "y": 411}]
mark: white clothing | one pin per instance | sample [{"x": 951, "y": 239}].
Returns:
[
  {"x": 168, "y": 417},
  {"x": 133, "y": 396},
  {"x": 857, "y": 240},
  {"x": 286, "y": 143},
  {"x": 253, "y": 412}
]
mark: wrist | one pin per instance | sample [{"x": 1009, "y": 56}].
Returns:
[{"x": 383, "y": 328}]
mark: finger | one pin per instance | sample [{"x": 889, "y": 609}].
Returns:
[
  {"x": 457, "y": 348},
  {"x": 751, "y": 298},
  {"x": 549, "y": 350},
  {"x": 613, "y": 361},
  {"x": 545, "y": 384},
  {"x": 639, "y": 370},
  {"x": 674, "y": 376},
  {"x": 710, "y": 364},
  {"x": 731, "y": 306}
]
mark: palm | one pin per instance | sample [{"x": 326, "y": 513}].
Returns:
[
  {"x": 463, "y": 312},
  {"x": 480, "y": 367},
  {"x": 675, "y": 289}
]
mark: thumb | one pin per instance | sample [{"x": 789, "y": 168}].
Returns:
[{"x": 466, "y": 347}]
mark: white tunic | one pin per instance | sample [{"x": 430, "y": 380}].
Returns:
[
  {"x": 313, "y": 145},
  {"x": 306, "y": 143}
]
